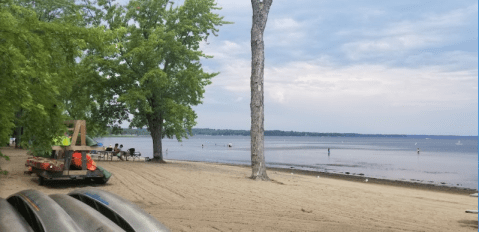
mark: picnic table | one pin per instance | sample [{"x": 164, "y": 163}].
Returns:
[
  {"x": 105, "y": 154},
  {"x": 108, "y": 155}
]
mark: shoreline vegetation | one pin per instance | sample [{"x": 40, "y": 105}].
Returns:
[
  {"x": 127, "y": 132},
  {"x": 199, "y": 196}
]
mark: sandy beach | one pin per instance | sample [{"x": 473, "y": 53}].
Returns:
[{"x": 193, "y": 196}]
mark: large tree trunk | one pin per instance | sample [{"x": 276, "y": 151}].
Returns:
[
  {"x": 260, "y": 15},
  {"x": 18, "y": 136},
  {"x": 18, "y": 130},
  {"x": 156, "y": 126}
]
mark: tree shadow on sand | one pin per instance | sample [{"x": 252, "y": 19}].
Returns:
[
  {"x": 469, "y": 223},
  {"x": 65, "y": 184}
]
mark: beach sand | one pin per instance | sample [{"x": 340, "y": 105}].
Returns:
[{"x": 193, "y": 196}]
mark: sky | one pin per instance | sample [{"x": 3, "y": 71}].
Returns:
[{"x": 369, "y": 67}]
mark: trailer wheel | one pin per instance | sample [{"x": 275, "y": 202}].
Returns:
[
  {"x": 101, "y": 180},
  {"x": 41, "y": 180}
]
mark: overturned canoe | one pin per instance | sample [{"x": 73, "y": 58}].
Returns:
[
  {"x": 41, "y": 212},
  {"x": 11, "y": 220},
  {"x": 85, "y": 216},
  {"x": 124, "y": 213},
  {"x": 82, "y": 210}
]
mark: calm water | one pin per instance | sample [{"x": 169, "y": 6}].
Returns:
[{"x": 452, "y": 160}]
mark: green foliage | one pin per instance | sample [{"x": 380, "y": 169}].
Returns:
[
  {"x": 58, "y": 62},
  {"x": 157, "y": 63},
  {"x": 40, "y": 43},
  {"x": 6, "y": 158},
  {"x": 26, "y": 79}
]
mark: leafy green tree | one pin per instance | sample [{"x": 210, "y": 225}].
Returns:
[
  {"x": 84, "y": 95},
  {"x": 38, "y": 59},
  {"x": 26, "y": 89},
  {"x": 157, "y": 67}
]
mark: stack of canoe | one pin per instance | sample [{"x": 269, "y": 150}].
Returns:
[
  {"x": 85, "y": 209},
  {"x": 55, "y": 165},
  {"x": 47, "y": 164}
]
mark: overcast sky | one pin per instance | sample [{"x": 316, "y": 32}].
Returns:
[{"x": 382, "y": 67}]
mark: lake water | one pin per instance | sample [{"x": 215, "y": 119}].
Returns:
[{"x": 450, "y": 160}]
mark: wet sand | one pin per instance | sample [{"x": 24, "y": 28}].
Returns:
[{"x": 195, "y": 196}]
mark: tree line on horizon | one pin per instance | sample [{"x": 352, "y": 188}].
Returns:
[
  {"x": 199, "y": 131},
  {"x": 226, "y": 132}
]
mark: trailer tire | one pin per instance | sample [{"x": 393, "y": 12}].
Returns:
[
  {"x": 41, "y": 180},
  {"x": 101, "y": 180}
]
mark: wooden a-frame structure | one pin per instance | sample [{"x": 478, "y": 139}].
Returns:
[{"x": 65, "y": 152}]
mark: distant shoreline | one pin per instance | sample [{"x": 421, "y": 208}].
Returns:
[
  {"x": 113, "y": 136},
  {"x": 301, "y": 134}
]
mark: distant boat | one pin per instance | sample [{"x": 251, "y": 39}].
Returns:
[
  {"x": 427, "y": 138},
  {"x": 459, "y": 142},
  {"x": 230, "y": 145}
]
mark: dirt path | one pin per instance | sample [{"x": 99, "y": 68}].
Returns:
[{"x": 189, "y": 196}]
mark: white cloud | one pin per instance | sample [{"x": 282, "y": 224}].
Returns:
[
  {"x": 412, "y": 84},
  {"x": 370, "y": 13},
  {"x": 452, "y": 60},
  {"x": 284, "y": 32},
  {"x": 378, "y": 96},
  {"x": 392, "y": 86},
  {"x": 285, "y": 24},
  {"x": 431, "y": 30},
  {"x": 452, "y": 18},
  {"x": 225, "y": 49},
  {"x": 234, "y": 5},
  {"x": 311, "y": 83},
  {"x": 442, "y": 79},
  {"x": 236, "y": 76}
]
